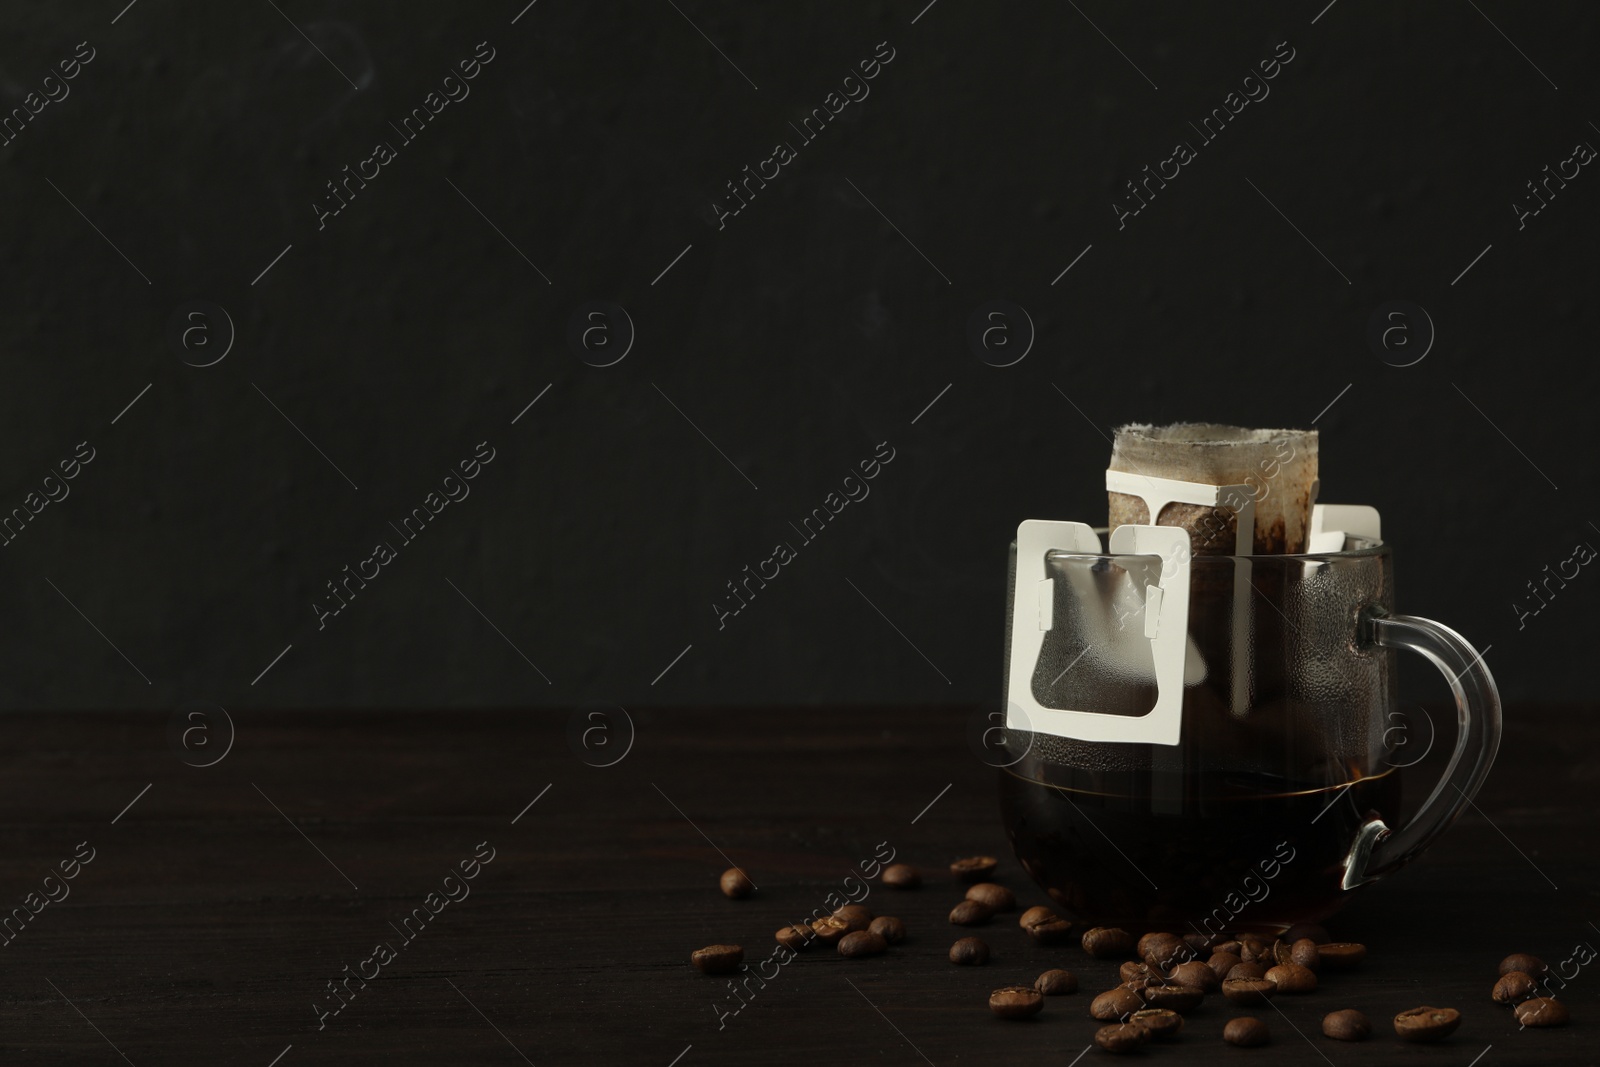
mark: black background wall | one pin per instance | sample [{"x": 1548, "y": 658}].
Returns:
[{"x": 375, "y": 348}]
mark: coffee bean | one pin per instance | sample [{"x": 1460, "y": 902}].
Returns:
[
  {"x": 974, "y": 868},
  {"x": 1121, "y": 1037},
  {"x": 854, "y": 916},
  {"x": 1179, "y": 998},
  {"x": 1256, "y": 950},
  {"x": 736, "y": 885},
  {"x": 796, "y": 937},
  {"x": 1521, "y": 961},
  {"x": 1292, "y": 978},
  {"x": 1162, "y": 1023},
  {"x": 1051, "y": 931},
  {"x": 1341, "y": 955},
  {"x": 1162, "y": 951},
  {"x": 1200, "y": 943},
  {"x": 1056, "y": 983},
  {"x": 829, "y": 929},
  {"x": 1132, "y": 971},
  {"x": 1426, "y": 1024},
  {"x": 1246, "y": 1031},
  {"x": 901, "y": 876},
  {"x": 861, "y": 943},
  {"x": 1142, "y": 949},
  {"x": 1103, "y": 942},
  {"x": 997, "y": 897},
  {"x": 1248, "y": 970},
  {"x": 889, "y": 928},
  {"x": 1196, "y": 974},
  {"x": 1542, "y": 1011},
  {"x": 1118, "y": 1003},
  {"x": 718, "y": 959},
  {"x": 1316, "y": 934},
  {"x": 1248, "y": 990},
  {"x": 1346, "y": 1025},
  {"x": 1513, "y": 986},
  {"x": 1139, "y": 985},
  {"x": 1232, "y": 947},
  {"x": 1036, "y": 914},
  {"x": 1304, "y": 952},
  {"x": 971, "y": 913},
  {"x": 1223, "y": 962},
  {"x": 1016, "y": 1002},
  {"x": 969, "y": 952}
]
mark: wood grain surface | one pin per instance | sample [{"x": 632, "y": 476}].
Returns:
[{"x": 218, "y": 908}]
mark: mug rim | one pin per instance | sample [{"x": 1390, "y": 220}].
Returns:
[{"x": 1365, "y": 548}]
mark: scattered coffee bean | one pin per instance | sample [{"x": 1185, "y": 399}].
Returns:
[
  {"x": 971, "y": 913},
  {"x": 1341, "y": 955},
  {"x": 1164, "y": 951},
  {"x": 1052, "y": 931},
  {"x": 995, "y": 896},
  {"x": 1162, "y": 1023},
  {"x": 1248, "y": 970},
  {"x": 1256, "y": 950},
  {"x": 718, "y": 959},
  {"x": 969, "y": 952},
  {"x": 1016, "y": 1002},
  {"x": 1103, "y": 942},
  {"x": 736, "y": 885},
  {"x": 1513, "y": 986},
  {"x": 1179, "y": 998},
  {"x": 1056, "y": 983},
  {"x": 854, "y": 916},
  {"x": 1521, "y": 961},
  {"x": 1304, "y": 952},
  {"x": 829, "y": 929},
  {"x": 1222, "y": 963},
  {"x": 1248, "y": 990},
  {"x": 1426, "y": 1024},
  {"x": 1292, "y": 978},
  {"x": 901, "y": 876},
  {"x": 860, "y": 943},
  {"x": 974, "y": 868},
  {"x": 1118, "y": 1003},
  {"x": 1232, "y": 948},
  {"x": 1121, "y": 1037},
  {"x": 1133, "y": 971},
  {"x": 1316, "y": 934},
  {"x": 1542, "y": 1011},
  {"x": 1196, "y": 974},
  {"x": 1246, "y": 1031},
  {"x": 1036, "y": 914},
  {"x": 796, "y": 937},
  {"x": 1139, "y": 985},
  {"x": 889, "y": 928},
  {"x": 1142, "y": 948},
  {"x": 1346, "y": 1025},
  {"x": 1200, "y": 943}
]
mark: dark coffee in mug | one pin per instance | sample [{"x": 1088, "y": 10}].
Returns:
[{"x": 1236, "y": 852}]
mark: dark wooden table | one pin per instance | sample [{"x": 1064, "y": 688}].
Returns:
[{"x": 220, "y": 905}]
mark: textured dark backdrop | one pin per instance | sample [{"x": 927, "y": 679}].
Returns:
[{"x": 775, "y": 352}]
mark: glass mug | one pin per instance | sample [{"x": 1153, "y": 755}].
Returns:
[{"x": 1282, "y": 794}]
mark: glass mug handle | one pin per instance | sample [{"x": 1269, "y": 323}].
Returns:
[{"x": 1380, "y": 849}]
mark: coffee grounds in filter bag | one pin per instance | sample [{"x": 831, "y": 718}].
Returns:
[
  {"x": 1278, "y": 466},
  {"x": 1279, "y": 470},
  {"x": 1236, "y": 606}
]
